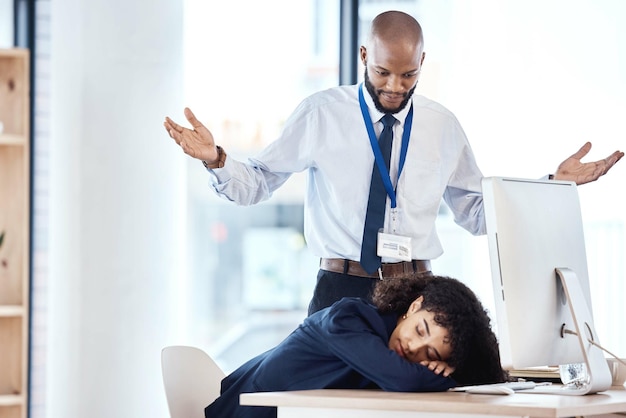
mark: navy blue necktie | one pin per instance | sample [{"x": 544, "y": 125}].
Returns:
[{"x": 375, "y": 217}]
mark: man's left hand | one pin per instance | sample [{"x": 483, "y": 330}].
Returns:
[{"x": 572, "y": 169}]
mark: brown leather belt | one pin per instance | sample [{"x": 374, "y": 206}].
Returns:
[{"x": 389, "y": 270}]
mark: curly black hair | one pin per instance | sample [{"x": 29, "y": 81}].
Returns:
[{"x": 475, "y": 353}]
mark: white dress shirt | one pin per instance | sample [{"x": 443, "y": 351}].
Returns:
[{"x": 326, "y": 134}]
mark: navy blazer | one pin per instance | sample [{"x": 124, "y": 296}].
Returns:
[{"x": 344, "y": 346}]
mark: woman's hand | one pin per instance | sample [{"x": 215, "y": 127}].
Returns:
[{"x": 438, "y": 367}]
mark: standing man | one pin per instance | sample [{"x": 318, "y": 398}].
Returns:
[{"x": 358, "y": 143}]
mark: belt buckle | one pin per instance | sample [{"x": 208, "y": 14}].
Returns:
[{"x": 407, "y": 267}]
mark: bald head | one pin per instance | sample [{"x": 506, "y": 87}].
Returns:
[{"x": 396, "y": 27}]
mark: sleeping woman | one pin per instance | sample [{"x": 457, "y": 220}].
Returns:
[{"x": 417, "y": 334}]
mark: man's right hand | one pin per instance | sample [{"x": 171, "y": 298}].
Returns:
[{"x": 197, "y": 143}]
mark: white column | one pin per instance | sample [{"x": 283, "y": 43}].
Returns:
[
  {"x": 6, "y": 23},
  {"x": 117, "y": 205}
]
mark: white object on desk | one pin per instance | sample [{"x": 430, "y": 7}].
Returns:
[
  {"x": 618, "y": 370},
  {"x": 507, "y": 388},
  {"x": 491, "y": 390}
]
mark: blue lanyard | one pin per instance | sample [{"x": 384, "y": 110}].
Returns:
[{"x": 380, "y": 163}]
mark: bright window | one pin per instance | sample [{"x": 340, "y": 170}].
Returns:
[{"x": 251, "y": 276}]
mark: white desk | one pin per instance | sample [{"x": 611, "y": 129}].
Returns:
[{"x": 329, "y": 403}]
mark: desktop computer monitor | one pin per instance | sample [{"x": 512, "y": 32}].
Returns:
[{"x": 543, "y": 314}]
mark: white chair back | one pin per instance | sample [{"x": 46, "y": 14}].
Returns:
[{"x": 192, "y": 380}]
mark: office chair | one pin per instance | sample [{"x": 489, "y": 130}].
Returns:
[{"x": 191, "y": 378}]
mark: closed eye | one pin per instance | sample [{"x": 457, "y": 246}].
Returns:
[{"x": 433, "y": 354}]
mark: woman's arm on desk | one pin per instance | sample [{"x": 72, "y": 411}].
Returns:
[{"x": 359, "y": 336}]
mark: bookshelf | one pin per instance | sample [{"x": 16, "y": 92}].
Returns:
[{"x": 14, "y": 231}]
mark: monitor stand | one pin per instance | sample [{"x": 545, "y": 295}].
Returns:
[{"x": 598, "y": 373}]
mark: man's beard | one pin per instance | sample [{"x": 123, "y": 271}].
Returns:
[{"x": 374, "y": 93}]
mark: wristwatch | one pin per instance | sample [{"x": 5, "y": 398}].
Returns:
[{"x": 221, "y": 159}]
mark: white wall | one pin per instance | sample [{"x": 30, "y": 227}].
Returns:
[
  {"x": 6, "y": 23},
  {"x": 117, "y": 195}
]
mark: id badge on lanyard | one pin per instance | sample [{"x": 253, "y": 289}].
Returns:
[{"x": 393, "y": 245}]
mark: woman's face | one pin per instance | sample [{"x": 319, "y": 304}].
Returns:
[{"x": 418, "y": 338}]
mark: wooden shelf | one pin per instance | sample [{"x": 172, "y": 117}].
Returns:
[
  {"x": 11, "y": 400},
  {"x": 12, "y": 139},
  {"x": 11, "y": 310},
  {"x": 15, "y": 231}
]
